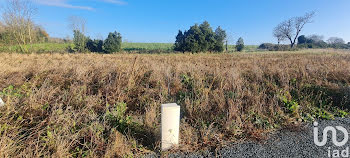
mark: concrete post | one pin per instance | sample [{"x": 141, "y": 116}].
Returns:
[
  {"x": 1, "y": 103},
  {"x": 170, "y": 125}
]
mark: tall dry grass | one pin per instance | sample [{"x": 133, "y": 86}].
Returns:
[{"x": 77, "y": 105}]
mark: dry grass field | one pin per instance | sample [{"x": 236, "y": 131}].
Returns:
[{"x": 94, "y": 105}]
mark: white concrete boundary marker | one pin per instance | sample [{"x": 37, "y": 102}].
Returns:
[
  {"x": 1, "y": 103},
  {"x": 170, "y": 125}
]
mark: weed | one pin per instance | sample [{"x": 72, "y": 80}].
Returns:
[{"x": 94, "y": 105}]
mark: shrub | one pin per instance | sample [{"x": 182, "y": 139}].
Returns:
[
  {"x": 267, "y": 46},
  {"x": 113, "y": 42},
  {"x": 316, "y": 41},
  {"x": 313, "y": 41},
  {"x": 240, "y": 44},
  {"x": 94, "y": 45},
  {"x": 283, "y": 47},
  {"x": 275, "y": 47}
]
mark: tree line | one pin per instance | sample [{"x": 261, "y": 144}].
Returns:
[
  {"x": 289, "y": 30},
  {"x": 85, "y": 44},
  {"x": 316, "y": 41},
  {"x": 82, "y": 43},
  {"x": 18, "y": 27}
]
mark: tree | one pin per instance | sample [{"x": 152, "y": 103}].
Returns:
[
  {"x": 79, "y": 40},
  {"x": 77, "y": 24},
  {"x": 302, "y": 39},
  {"x": 193, "y": 37},
  {"x": 316, "y": 38},
  {"x": 335, "y": 40},
  {"x": 207, "y": 39},
  {"x": 291, "y": 28},
  {"x": 200, "y": 38},
  {"x": 17, "y": 16},
  {"x": 313, "y": 41},
  {"x": 4, "y": 35},
  {"x": 113, "y": 42},
  {"x": 180, "y": 42},
  {"x": 41, "y": 35},
  {"x": 220, "y": 37},
  {"x": 240, "y": 44},
  {"x": 277, "y": 32}
]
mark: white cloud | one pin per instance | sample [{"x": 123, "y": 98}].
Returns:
[
  {"x": 65, "y": 4},
  {"x": 119, "y": 2},
  {"x": 62, "y": 3}
]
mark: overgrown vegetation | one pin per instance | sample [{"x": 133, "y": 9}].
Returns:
[{"x": 91, "y": 105}]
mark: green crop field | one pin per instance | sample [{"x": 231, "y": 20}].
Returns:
[
  {"x": 38, "y": 48},
  {"x": 128, "y": 47},
  {"x": 147, "y": 46}
]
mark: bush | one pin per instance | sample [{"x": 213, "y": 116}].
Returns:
[
  {"x": 275, "y": 47},
  {"x": 267, "y": 46},
  {"x": 94, "y": 45},
  {"x": 339, "y": 46},
  {"x": 313, "y": 41},
  {"x": 113, "y": 43},
  {"x": 314, "y": 45},
  {"x": 240, "y": 44}
]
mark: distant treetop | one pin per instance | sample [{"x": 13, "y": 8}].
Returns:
[{"x": 200, "y": 38}]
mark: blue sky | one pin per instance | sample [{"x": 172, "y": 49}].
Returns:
[{"x": 160, "y": 20}]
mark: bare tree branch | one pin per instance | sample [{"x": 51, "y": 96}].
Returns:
[
  {"x": 17, "y": 17},
  {"x": 77, "y": 24},
  {"x": 291, "y": 28}
]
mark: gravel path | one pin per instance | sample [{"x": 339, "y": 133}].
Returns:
[{"x": 283, "y": 144}]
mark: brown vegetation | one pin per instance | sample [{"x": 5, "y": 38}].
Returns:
[{"x": 96, "y": 105}]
